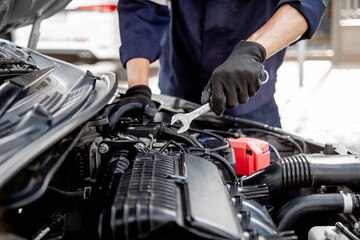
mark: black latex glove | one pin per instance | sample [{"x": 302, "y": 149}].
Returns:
[
  {"x": 136, "y": 103},
  {"x": 237, "y": 79}
]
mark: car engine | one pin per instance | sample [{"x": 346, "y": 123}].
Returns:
[{"x": 64, "y": 174}]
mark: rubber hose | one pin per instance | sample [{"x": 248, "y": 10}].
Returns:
[
  {"x": 169, "y": 134},
  {"x": 306, "y": 171},
  {"x": 310, "y": 204}
]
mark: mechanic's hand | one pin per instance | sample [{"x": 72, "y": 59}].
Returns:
[
  {"x": 136, "y": 103},
  {"x": 237, "y": 79}
]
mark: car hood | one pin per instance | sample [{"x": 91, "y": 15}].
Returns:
[
  {"x": 18, "y": 13},
  {"x": 42, "y": 100}
]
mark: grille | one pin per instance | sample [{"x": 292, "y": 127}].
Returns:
[{"x": 49, "y": 102}]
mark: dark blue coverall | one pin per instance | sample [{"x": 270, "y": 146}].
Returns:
[{"x": 196, "y": 36}]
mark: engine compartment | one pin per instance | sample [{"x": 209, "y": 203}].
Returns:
[
  {"x": 225, "y": 178},
  {"x": 142, "y": 180}
]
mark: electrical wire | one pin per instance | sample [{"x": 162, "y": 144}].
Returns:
[
  {"x": 252, "y": 124},
  {"x": 283, "y": 137},
  {"x": 226, "y": 164},
  {"x": 207, "y": 133},
  {"x": 220, "y": 132},
  {"x": 77, "y": 194},
  {"x": 223, "y": 162},
  {"x": 171, "y": 142},
  {"x": 275, "y": 151},
  {"x": 225, "y": 145}
]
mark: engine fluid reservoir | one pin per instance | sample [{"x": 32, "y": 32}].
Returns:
[{"x": 251, "y": 155}]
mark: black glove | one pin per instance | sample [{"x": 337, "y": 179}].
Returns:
[
  {"x": 237, "y": 79},
  {"x": 136, "y": 103}
]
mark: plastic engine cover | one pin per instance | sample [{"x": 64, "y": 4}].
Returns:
[{"x": 166, "y": 197}]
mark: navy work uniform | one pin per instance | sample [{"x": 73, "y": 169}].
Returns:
[{"x": 196, "y": 36}]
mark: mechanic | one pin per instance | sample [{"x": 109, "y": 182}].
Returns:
[{"x": 214, "y": 47}]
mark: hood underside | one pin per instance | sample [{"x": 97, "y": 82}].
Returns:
[
  {"x": 18, "y": 13},
  {"x": 41, "y": 101}
]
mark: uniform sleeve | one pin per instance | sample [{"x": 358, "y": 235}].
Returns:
[
  {"x": 312, "y": 10},
  {"x": 142, "y": 25}
]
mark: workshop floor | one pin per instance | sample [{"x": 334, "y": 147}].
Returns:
[{"x": 325, "y": 109}]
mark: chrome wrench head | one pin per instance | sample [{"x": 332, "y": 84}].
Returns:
[
  {"x": 184, "y": 121},
  {"x": 187, "y": 118}
]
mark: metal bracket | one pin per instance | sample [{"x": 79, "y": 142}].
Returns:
[{"x": 35, "y": 34}]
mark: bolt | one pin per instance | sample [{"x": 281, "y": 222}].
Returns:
[
  {"x": 357, "y": 226},
  {"x": 103, "y": 148}
]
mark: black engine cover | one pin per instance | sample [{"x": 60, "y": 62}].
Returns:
[{"x": 166, "y": 197}]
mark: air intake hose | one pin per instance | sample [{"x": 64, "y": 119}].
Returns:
[{"x": 306, "y": 171}]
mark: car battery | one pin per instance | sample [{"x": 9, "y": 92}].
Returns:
[{"x": 251, "y": 155}]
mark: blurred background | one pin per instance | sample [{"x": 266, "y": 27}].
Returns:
[{"x": 318, "y": 84}]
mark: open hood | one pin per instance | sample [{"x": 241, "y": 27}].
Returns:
[
  {"x": 18, "y": 13},
  {"x": 42, "y": 100}
]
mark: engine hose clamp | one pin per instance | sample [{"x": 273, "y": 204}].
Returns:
[{"x": 348, "y": 202}]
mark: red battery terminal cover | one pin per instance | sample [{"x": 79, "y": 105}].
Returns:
[{"x": 251, "y": 155}]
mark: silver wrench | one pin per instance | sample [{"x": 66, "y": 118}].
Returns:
[{"x": 186, "y": 118}]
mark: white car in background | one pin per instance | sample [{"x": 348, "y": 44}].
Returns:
[{"x": 84, "y": 30}]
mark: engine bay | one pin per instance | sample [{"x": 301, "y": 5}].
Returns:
[
  {"x": 72, "y": 177},
  {"x": 145, "y": 181}
]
